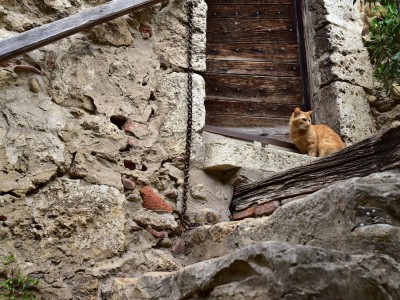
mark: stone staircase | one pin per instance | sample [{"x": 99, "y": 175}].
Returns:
[{"x": 342, "y": 242}]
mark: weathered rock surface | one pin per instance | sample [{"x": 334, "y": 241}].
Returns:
[
  {"x": 340, "y": 68},
  {"x": 357, "y": 216},
  {"x": 86, "y": 123},
  {"x": 272, "y": 270},
  {"x": 223, "y": 153},
  {"x": 90, "y": 120},
  {"x": 69, "y": 212}
]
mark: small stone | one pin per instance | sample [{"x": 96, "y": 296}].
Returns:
[
  {"x": 76, "y": 172},
  {"x": 134, "y": 226},
  {"x": 156, "y": 234},
  {"x": 146, "y": 31},
  {"x": 134, "y": 142},
  {"x": 171, "y": 194},
  {"x": 134, "y": 197},
  {"x": 34, "y": 85},
  {"x": 114, "y": 33},
  {"x": 385, "y": 105},
  {"x": 138, "y": 130},
  {"x": 198, "y": 192},
  {"x": 3, "y": 218},
  {"x": 166, "y": 243},
  {"x": 152, "y": 201},
  {"x": 128, "y": 183},
  {"x": 178, "y": 248},
  {"x": 396, "y": 90},
  {"x": 372, "y": 100},
  {"x": 207, "y": 216},
  {"x": 159, "y": 221}
]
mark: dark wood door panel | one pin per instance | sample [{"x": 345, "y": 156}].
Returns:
[
  {"x": 245, "y": 121},
  {"x": 292, "y": 98},
  {"x": 253, "y": 68},
  {"x": 250, "y": 31},
  {"x": 255, "y": 11},
  {"x": 273, "y": 51},
  {"x": 254, "y": 64},
  {"x": 250, "y": 108},
  {"x": 250, "y": 87},
  {"x": 250, "y": 2}
]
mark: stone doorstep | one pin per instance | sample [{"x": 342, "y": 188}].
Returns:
[
  {"x": 224, "y": 153},
  {"x": 260, "y": 210}
]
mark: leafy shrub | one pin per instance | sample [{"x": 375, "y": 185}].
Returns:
[
  {"x": 14, "y": 285},
  {"x": 384, "y": 43}
]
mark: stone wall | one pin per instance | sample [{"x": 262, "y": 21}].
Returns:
[
  {"x": 92, "y": 138},
  {"x": 92, "y": 144}
]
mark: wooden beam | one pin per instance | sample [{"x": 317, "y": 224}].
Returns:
[
  {"x": 375, "y": 154},
  {"x": 49, "y": 33},
  {"x": 249, "y": 137}
]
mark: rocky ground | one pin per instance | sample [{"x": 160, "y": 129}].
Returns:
[{"x": 342, "y": 242}]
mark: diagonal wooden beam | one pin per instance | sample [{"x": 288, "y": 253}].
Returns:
[
  {"x": 375, "y": 154},
  {"x": 49, "y": 33},
  {"x": 249, "y": 137}
]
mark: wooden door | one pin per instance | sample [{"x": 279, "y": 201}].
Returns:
[{"x": 254, "y": 64}]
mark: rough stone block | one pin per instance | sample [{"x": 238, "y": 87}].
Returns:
[
  {"x": 223, "y": 153},
  {"x": 172, "y": 32},
  {"x": 157, "y": 220},
  {"x": 78, "y": 218},
  {"x": 128, "y": 183},
  {"x": 139, "y": 130},
  {"x": 114, "y": 33},
  {"x": 340, "y": 13},
  {"x": 341, "y": 55},
  {"x": 331, "y": 218},
  {"x": 172, "y": 90},
  {"x": 178, "y": 248},
  {"x": 271, "y": 270},
  {"x": 347, "y": 106}
]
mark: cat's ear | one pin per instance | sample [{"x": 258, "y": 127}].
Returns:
[
  {"x": 297, "y": 111},
  {"x": 309, "y": 112}
]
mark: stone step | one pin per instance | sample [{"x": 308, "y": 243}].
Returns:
[
  {"x": 358, "y": 215},
  {"x": 224, "y": 153},
  {"x": 358, "y": 220},
  {"x": 271, "y": 270}
]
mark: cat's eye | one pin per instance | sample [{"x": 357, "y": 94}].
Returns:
[{"x": 304, "y": 119}]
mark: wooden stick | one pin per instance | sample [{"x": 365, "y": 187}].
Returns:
[{"x": 49, "y": 33}]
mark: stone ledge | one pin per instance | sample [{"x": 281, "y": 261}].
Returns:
[
  {"x": 271, "y": 270},
  {"x": 223, "y": 153}
]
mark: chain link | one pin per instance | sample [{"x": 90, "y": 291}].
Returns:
[{"x": 184, "y": 218}]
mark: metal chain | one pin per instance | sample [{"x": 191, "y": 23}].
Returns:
[{"x": 184, "y": 219}]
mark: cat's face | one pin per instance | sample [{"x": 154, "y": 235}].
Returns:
[{"x": 301, "y": 119}]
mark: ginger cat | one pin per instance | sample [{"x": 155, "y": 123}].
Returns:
[{"x": 314, "y": 140}]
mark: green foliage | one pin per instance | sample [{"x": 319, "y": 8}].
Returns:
[
  {"x": 6, "y": 260},
  {"x": 384, "y": 46},
  {"x": 14, "y": 285},
  {"x": 382, "y": 2}
]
